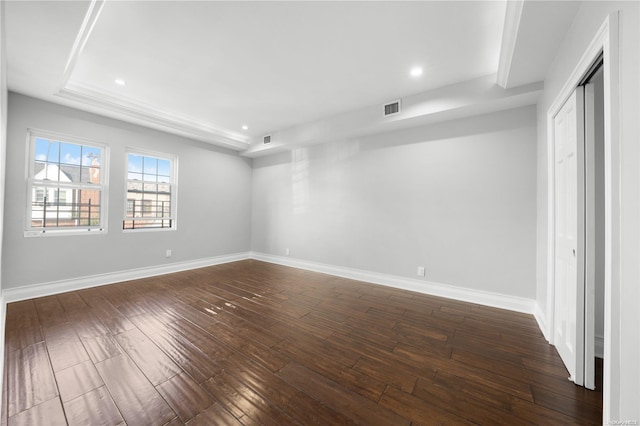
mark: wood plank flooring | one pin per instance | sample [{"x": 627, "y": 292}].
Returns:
[{"x": 250, "y": 343}]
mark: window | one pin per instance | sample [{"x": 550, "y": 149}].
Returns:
[
  {"x": 67, "y": 185},
  {"x": 39, "y": 195},
  {"x": 60, "y": 196},
  {"x": 151, "y": 191}
]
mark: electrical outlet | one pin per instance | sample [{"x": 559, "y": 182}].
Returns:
[
  {"x": 168, "y": 254},
  {"x": 421, "y": 271}
]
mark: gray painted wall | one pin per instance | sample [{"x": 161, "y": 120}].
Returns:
[
  {"x": 457, "y": 197},
  {"x": 214, "y": 201},
  {"x": 3, "y": 143}
]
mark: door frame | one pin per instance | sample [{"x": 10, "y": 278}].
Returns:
[{"x": 605, "y": 41}]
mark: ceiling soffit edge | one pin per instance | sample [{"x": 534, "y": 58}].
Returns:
[
  {"x": 513, "y": 17},
  {"x": 90, "y": 19},
  {"x": 471, "y": 98}
]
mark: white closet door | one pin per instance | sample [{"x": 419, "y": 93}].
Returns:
[{"x": 569, "y": 235}]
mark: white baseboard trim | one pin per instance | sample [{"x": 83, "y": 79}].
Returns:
[
  {"x": 512, "y": 303},
  {"x": 599, "y": 347},
  {"x": 497, "y": 300},
  {"x": 3, "y": 321},
  {"x": 542, "y": 323},
  {"x": 541, "y": 320},
  {"x": 62, "y": 286}
]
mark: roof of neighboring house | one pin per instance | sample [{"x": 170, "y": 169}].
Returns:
[{"x": 75, "y": 174}]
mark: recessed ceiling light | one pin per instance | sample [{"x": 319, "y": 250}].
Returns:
[
  {"x": 120, "y": 82},
  {"x": 245, "y": 127},
  {"x": 416, "y": 71}
]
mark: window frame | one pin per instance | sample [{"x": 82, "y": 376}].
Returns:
[
  {"x": 173, "y": 185},
  {"x": 33, "y": 185}
]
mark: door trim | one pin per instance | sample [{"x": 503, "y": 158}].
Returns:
[{"x": 605, "y": 41}]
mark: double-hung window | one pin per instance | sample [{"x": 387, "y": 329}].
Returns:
[
  {"x": 151, "y": 191},
  {"x": 67, "y": 185}
]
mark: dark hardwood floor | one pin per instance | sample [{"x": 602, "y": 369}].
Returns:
[{"x": 255, "y": 343}]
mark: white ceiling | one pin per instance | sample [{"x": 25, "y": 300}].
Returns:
[{"x": 204, "y": 69}]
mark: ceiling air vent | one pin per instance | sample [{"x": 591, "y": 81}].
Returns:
[
  {"x": 266, "y": 139},
  {"x": 392, "y": 108}
]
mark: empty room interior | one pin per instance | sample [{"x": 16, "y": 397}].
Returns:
[{"x": 242, "y": 213}]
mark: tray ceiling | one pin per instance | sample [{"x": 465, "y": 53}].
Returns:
[{"x": 206, "y": 69}]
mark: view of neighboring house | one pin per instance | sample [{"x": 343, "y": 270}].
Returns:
[
  {"x": 148, "y": 192},
  {"x": 58, "y": 201}
]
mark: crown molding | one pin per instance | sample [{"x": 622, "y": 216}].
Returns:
[
  {"x": 513, "y": 17},
  {"x": 150, "y": 116}
]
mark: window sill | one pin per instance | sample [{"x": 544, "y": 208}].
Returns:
[
  {"x": 136, "y": 230},
  {"x": 64, "y": 232}
]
